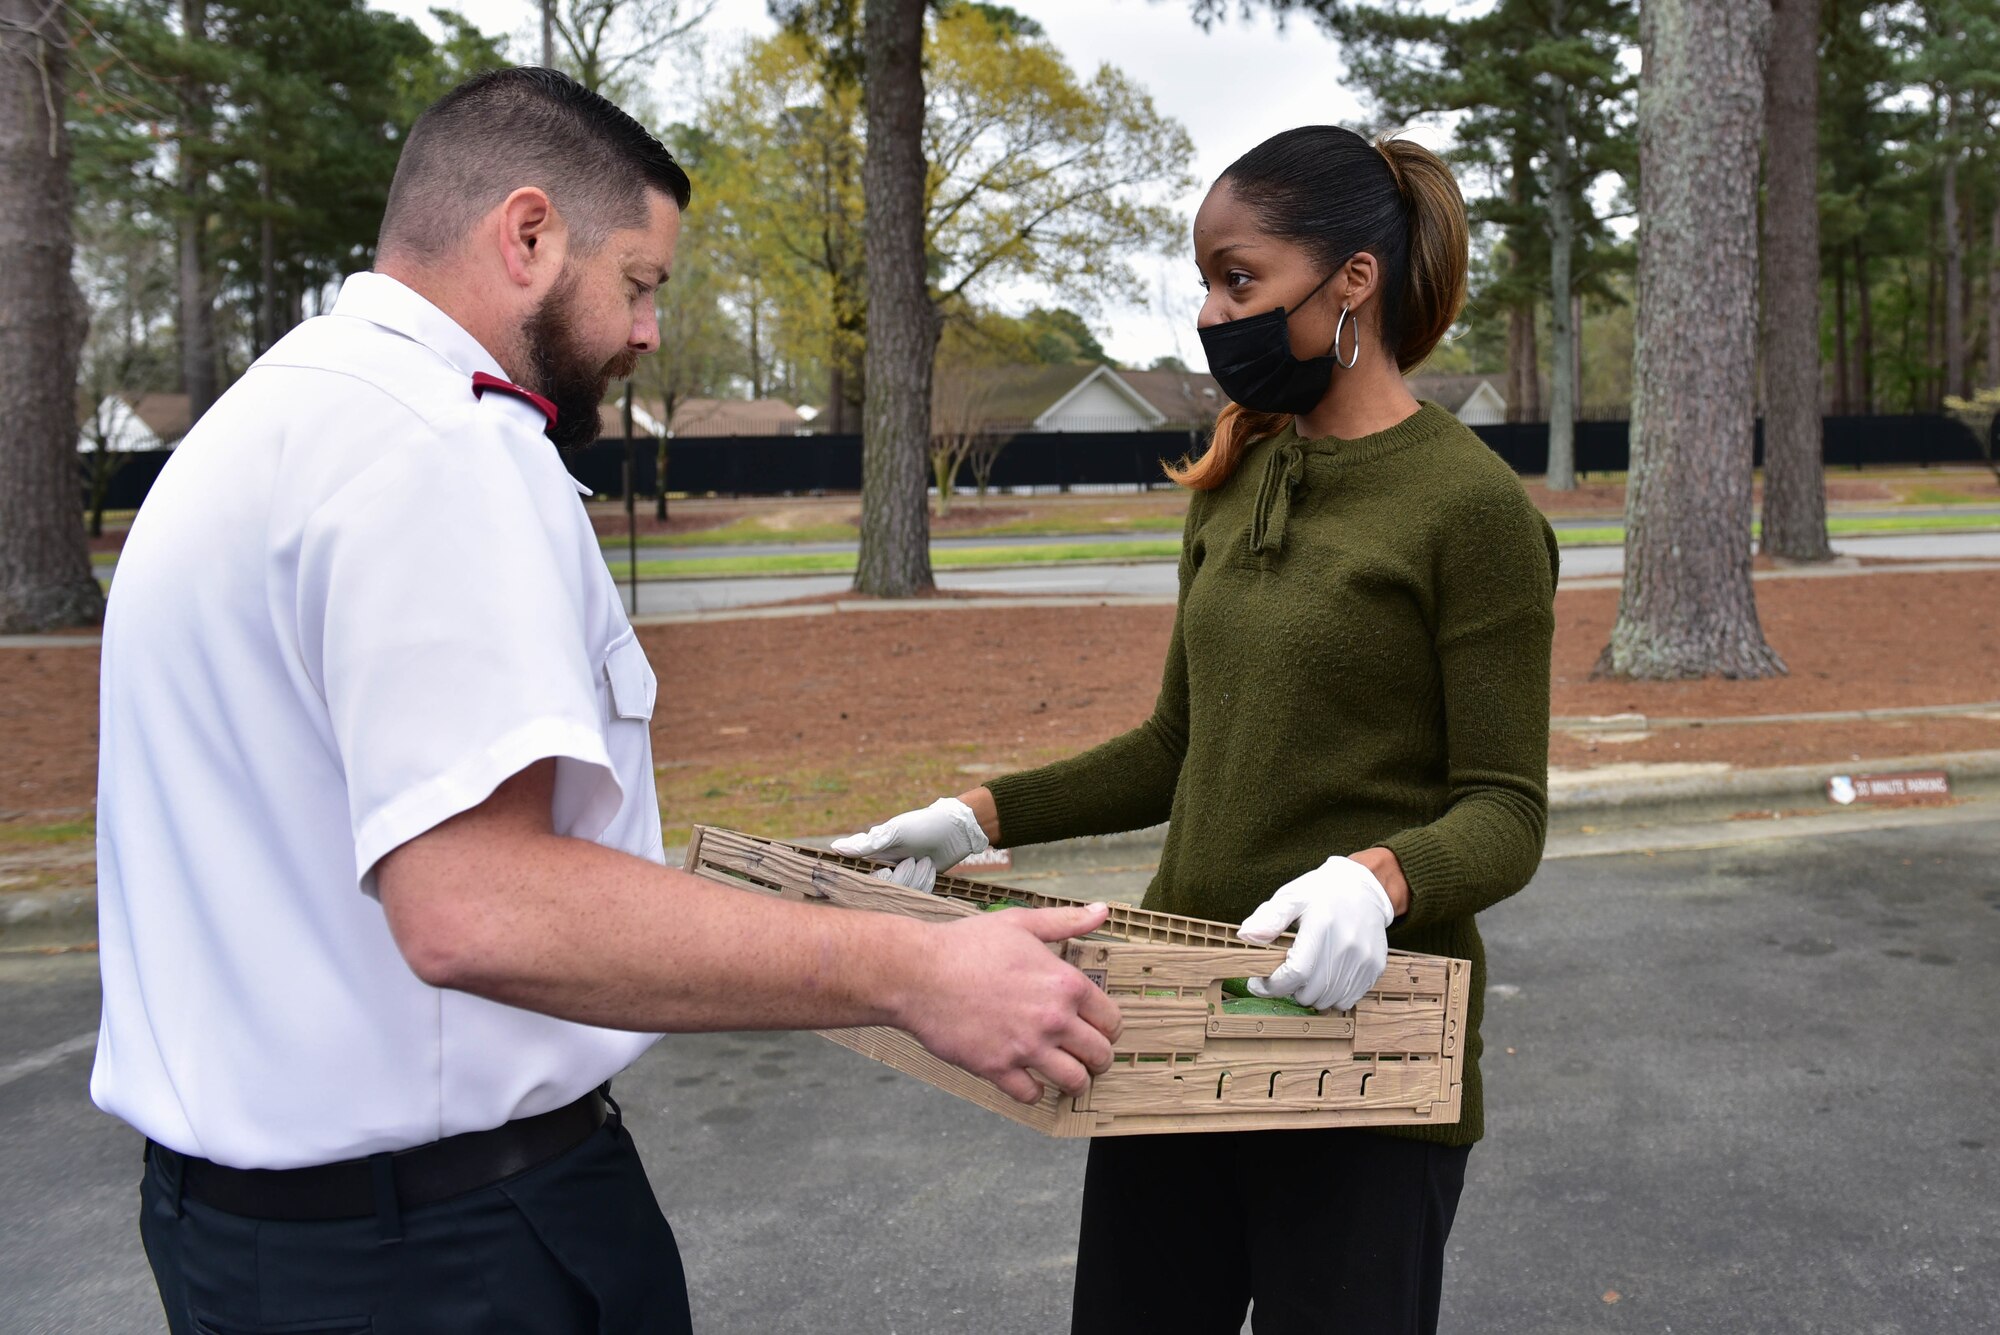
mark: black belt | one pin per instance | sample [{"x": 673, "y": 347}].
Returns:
[{"x": 355, "y": 1188}]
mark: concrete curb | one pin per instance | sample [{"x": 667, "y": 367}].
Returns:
[
  {"x": 1588, "y": 792},
  {"x": 47, "y": 918}
]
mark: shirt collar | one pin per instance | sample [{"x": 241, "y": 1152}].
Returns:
[{"x": 382, "y": 300}]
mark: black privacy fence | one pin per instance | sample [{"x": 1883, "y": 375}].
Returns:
[{"x": 801, "y": 465}]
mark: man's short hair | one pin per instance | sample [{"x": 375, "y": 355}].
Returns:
[{"x": 505, "y": 129}]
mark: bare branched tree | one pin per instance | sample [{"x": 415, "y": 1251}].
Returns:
[
  {"x": 962, "y": 431},
  {"x": 608, "y": 45}
]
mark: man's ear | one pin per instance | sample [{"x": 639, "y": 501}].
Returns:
[{"x": 533, "y": 239}]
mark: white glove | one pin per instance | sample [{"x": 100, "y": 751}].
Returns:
[
  {"x": 1342, "y": 946},
  {"x": 924, "y": 843}
]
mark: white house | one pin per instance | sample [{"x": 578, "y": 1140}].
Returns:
[
  {"x": 1473, "y": 399},
  {"x": 127, "y": 423}
]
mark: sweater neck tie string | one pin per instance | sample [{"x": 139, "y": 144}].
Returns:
[{"x": 1284, "y": 471}]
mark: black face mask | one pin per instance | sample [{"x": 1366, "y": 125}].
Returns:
[{"x": 1251, "y": 360}]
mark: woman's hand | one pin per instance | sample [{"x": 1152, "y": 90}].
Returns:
[
  {"x": 922, "y": 843},
  {"x": 1342, "y": 943}
]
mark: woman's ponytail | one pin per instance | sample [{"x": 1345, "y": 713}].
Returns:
[{"x": 1434, "y": 281}]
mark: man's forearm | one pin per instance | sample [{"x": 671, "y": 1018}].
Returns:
[
  {"x": 586, "y": 933},
  {"x": 492, "y": 903}
]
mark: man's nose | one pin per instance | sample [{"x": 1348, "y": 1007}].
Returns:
[{"x": 646, "y": 332}]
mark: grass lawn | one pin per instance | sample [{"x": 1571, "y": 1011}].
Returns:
[
  {"x": 25, "y": 838},
  {"x": 783, "y": 799},
  {"x": 1837, "y": 525},
  {"x": 1167, "y": 549},
  {"x": 784, "y": 563},
  {"x": 743, "y": 531},
  {"x": 1049, "y": 521}
]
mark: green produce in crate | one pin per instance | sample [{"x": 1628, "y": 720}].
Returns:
[
  {"x": 1002, "y": 904},
  {"x": 1264, "y": 1006}
]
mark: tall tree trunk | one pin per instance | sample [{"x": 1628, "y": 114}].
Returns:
[
  {"x": 197, "y": 306},
  {"x": 45, "y": 575},
  {"x": 267, "y": 264},
  {"x": 1933, "y": 377},
  {"x": 1524, "y": 377},
  {"x": 1954, "y": 265},
  {"x": 1843, "y": 382},
  {"x": 1794, "y": 457},
  {"x": 1562, "y": 309},
  {"x": 669, "y": 402},
  {"x": 1688, "y": 608},
  {"x": 1576, "y": 342},
  {"x": 1864, "y": 333},
  {"x": 895, "y": 558},
  {"x": 1993, "y": 301}
]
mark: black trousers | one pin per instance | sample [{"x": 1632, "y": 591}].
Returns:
[
  {"x": 1337, "y": 1232},
  {"x": 577, "y": 1244}
]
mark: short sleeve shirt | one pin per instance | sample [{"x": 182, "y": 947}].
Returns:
[{"x": 359, "y": 597}]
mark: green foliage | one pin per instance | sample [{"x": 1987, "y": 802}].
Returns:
[
  {"x": 1539, "y": 100},
  {"x": 1977, "y": 413},
  {"x": 1042, "y": 337},
  {"x": 288, "y": 114},
  {"x": 1037, "y": 175},
  {"x": 1905, "y": 89}
]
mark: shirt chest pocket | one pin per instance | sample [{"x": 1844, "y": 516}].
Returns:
[{"x": 629, "y": 685}]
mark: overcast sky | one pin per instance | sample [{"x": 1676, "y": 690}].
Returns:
[{"x": 1231, "y": 87}]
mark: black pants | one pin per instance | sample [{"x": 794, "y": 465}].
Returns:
[
  {"x": 576, "y": 1244},
  {"x": 1336, "y": 1232}
]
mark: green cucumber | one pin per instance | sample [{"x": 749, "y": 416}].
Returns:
[{"x": 1264, "y": 1006}]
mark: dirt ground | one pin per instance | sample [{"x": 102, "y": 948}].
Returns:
[{"x": 815, "y": 724}]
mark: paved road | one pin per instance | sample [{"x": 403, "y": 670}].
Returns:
[
  {"x": 1751, "y": 1091},
  {"x": 1156, "y": 578}
]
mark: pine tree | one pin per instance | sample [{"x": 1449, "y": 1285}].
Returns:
[
  {"x": 1543, "y": 106},
  {"x": 45, "y": 575},
  {"x": 1687, "y": 608},
  {"x": 1794, "y": 474}
]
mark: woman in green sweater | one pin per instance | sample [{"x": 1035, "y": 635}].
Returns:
[{"x": 1351, "y": 736}]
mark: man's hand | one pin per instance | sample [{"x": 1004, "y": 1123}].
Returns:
[
  {"x": 922, "y": 843},
  {"x": 995, "y": 1000},
  {"x": 1342, "y": 942}
]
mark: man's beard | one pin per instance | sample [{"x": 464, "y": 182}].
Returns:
[{"x": 564, "y": 370}]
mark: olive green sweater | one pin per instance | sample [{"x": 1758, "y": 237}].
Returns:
[{"x": 1360, "y": 656}]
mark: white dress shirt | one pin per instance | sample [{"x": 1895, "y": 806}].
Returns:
[{"x": 358, "y": 598}]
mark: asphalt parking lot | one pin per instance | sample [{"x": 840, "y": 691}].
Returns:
[{"x": 1751, "y": 1090}]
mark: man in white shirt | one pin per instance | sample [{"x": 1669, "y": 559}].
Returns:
[{"x": 382, "y": 907}]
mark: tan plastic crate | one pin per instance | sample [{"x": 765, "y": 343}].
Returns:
[{"x": 1181, "y": 1063}]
